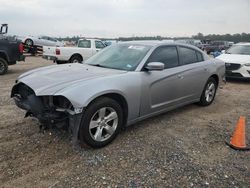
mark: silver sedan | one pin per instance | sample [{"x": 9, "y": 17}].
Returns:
[{"x": 121, "y": 85}]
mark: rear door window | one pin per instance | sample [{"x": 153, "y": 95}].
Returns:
[
  {"x": 84, "y": 44},
  {"x": 189, "y": 56}
]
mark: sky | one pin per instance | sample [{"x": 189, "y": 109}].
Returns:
[{"x": 125, "y": 18}]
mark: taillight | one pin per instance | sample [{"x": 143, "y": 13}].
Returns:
[
  {"x": 21, "y": 48},
  {"x": 58, "y": 51}
]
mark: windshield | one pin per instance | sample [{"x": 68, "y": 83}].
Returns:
[
  {"x": 239, "y": 49},
  {"x": 120, "y": 56}
]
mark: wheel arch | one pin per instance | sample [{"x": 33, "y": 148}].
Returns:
[
  {"x": 119, "y": 98},
  {"x": 216, "y": 77},
  {"x": 29, "y": 39},
  {"x": 76, "y": 55},
  {"x": 4, "y": 55}
]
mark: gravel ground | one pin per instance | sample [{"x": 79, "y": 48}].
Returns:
[{"x": 182, "y": 148}]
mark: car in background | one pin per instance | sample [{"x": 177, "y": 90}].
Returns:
[
  {"x": 237, "y": 59},
  {"x": 84, "y": 50},
  {"x": 214, "y": 46},
  {"x": 11, "y": 50},
  {"x": 109, "y": 42},
  {"x": 189, "y": 41},
  {"x": 41, "y": 41},
  {"x": 119, "y": 86}
]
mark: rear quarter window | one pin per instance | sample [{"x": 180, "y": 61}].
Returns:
[{"x": 199, "y": 56}]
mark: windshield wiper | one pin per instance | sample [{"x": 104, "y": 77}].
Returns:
[{"x": 97, "y": 65}]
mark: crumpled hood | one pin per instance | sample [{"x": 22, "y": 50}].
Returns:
[
  {"x": 51, "y": 79},
  {"x": 234, "y": 58}
]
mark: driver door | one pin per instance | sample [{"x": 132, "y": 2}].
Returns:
[{"x": 161, "y": 89}]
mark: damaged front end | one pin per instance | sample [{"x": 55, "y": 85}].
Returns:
[{"x": 51, "y": 111}]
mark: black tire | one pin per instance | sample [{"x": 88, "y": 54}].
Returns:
[
  {"x": 3, "y": 66},
  {"x": 76, "y": 59},
  {"x": 84, "y": 131},
  {"x": 203, "y": 99},
  {"x": 61, "y": 62},
  {"x": 29, "y": 42}
]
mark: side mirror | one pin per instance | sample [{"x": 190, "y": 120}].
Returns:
[{"x": 155, "y": 66}]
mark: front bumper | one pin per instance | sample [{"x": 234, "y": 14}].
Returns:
[
  {"x": 34, "y": 107},
  {"x": 242, "y": 73},
  {"x": 49, "y": 110}
]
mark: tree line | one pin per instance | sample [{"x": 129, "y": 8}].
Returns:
[{"x": 243, "y": 37}]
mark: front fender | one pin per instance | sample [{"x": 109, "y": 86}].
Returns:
[{"x": 127, "y": 86}]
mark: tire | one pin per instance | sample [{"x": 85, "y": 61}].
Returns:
[
  {"x": 209, "y": 92},
  {"x": 76, "y": 59},
  {"x": 61, "y": 62},
  {"x": 29, "y": 42},
  {"x": 102, "y": 131},
  {"x": 3, "y": 66}
]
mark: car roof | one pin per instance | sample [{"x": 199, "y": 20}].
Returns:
[
  {"x": 143, "y": 42},
  {"x": 154, "y": 43},
  {"x": 243, "y": 43}
]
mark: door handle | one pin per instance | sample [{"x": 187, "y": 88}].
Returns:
[{"x": 180, "y": 76}]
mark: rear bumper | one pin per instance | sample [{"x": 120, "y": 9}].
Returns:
[{"x": 48, "y": 57}]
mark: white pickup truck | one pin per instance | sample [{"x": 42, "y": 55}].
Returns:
[{"x": 85, "y": 49}]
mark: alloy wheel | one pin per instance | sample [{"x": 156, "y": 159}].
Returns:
[
  {"x": 103, "y": 124},
  {"x": 210, "y": 91}
]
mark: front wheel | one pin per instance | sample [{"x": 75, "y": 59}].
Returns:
[
  {"x": 3, "y": 66},
  {"x": 209, "y": 92},
  {"x": 101, "y": 122}
]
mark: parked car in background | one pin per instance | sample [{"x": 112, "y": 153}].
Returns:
[
  {"x": 194, "y": 42},
  {"x": 41, "y": 41},
  {"x": 214, "y": 46},
  {"x": 119, "y": 86},
  {"x": 11, "y": 50},
  {"x": 84, "y": 50},
  {"x": 109, "y": 42},
  {"x": 237, "y": 59}
]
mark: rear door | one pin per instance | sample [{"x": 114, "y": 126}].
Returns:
[{"x": 194, "y": 72}]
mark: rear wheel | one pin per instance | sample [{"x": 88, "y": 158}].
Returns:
[
  {"x": 29, "y": 42},
  {"x": 76, "y": 59},
  {"x": 209, "y": 92},
  {"x": 3, "y": 66},
  {"x": 101, "y": 122}
]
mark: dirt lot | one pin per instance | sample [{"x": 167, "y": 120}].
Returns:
[{"x": 182, "y": 148}]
